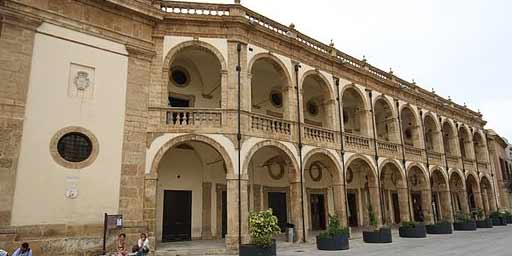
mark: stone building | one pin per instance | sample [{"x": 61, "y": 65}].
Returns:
[{"x": 185, "y": 117}]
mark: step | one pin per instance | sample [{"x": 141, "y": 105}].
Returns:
[{"x": 194, "y": 252}]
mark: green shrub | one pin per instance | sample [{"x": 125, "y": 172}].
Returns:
[
  {"x": 461, "y": 217},
  {"x": 373, "y": 218},
  {"x": 333, "y": 229},
  {"x": 479, "y": 213},
  {"x": 262, "y": 227},
  {"x": 507, "y": 214},
  {"x": 497, "y": 215},
  {"x": 408, "y": 224}
]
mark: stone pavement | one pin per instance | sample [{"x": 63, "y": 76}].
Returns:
[{"x": 496, "y": 241}]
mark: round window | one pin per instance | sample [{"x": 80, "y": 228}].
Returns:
[
  {"x": 74, "y": 147},
  {"x": 180, "y": 77},
  {"x": 276, "y": 98},
  {"x": 312, "y": 108}
]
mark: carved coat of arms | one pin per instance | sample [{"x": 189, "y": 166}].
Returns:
[{"x": 82, "y": 80}]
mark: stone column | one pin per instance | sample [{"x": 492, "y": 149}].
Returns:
[
  {"x": 375, "y": 202},
  {"x": 150, "y": 191},
  {"x": 206, "y": 226},
  {"x": 446, "y": 204},
  {"x": 426, "y": 204},
  {"x": 478, "y": 199},
  {"x": 339, "y": 200},
  {"x": 463, "y": 197},
  {"x": 403, "y": 202},
  {"x": 16, "y": 45},
  {"x": 296, "y": 209},
  {"x": 232, "y": 208}
]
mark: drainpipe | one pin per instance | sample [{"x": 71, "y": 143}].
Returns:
[
  {"x": 428, "y": 162},
  {"x": 374, "y": 128},
  {"x": 492, "y": 171},
  {"x": 239, "y": 140},
  {"x": 299, "y": 128},
  {"x": 342, "y": 149},
  {"x": 446, "y": 166},
  {"x": 403, "y": 160}
]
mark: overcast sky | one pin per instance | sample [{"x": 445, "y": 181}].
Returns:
[{"x": 461, "y": 48}]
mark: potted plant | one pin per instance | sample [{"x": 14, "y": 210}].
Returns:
[
  {"x": 508, "y": 217},
  {"x": 482, "y": 221},
  {"x": 334, "y": 238},
  {"x": 376, "y": 235},
  {"x": 411, "y": 229},
  {"x": 262, "y": 227},
  {"x": 464, "y": 222},
  {"x": 498, "y": 219},
  {"x": 441, "y": 228}
]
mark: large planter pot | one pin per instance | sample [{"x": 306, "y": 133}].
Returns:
[
  {"x": 382, "y": 235},
  {"x": 254, "y": 250},
  {"x": 465, "y": 226},
  {"x": 443, "y": 228},
  {"x": 339, "y": 242},
  {"x": 418, "y": 231},
  {"x": 487, "y": 223},
  {"x": 499, "y": 221},
  {"x": 509, "y": 219}
]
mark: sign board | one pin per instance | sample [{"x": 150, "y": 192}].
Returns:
[{"x": 114, "y": 221}]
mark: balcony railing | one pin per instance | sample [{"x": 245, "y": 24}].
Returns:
[
  {"x": 413, "y": 153},
  {"x": 319, "y": 134},
  {"x": 269, "y": 125},
  {"x": 168, "y": 119},
  {"x": 469, "y": 164},
  {"x": 482, "y": 166},
  {"x": 435, "y": 158},
  {"x": 389, "y": 149},
  {"x": 357, "y": 142},
  {"x": 453, "y": 161}
]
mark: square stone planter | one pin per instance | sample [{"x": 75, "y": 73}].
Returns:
[
  {"x": 337, "y": 243},
  {"x": 254, "y": 250},
  {"x": 443, "y": 228},
  {"x": 487, "y": 223},
  {"x": 418, "y": 231},
  {"x": 382, "y": 235},
  {"x": 465, "y": 226}
]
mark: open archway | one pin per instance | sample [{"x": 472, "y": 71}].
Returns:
[
  {"x": 355, "y": 113},
  {"x": 324, "y": 189},
  {"x": 465, "y": 144},
  {"x": 394, "y": 193},
  {"x": 410, "y": 128},
  {"x": 458, "y": 193},
  {"x": 269, "y": 78},
  {"x": 440, "y": 196},
  {"x": 385, "y": 121},
  {"x": 421, "y": 208},
  {"x": 488, "y": 199},
  {"x": 449, "y": 139},
  {"x": 318, "y": 104},
  {"x": 433, "y": 140},
  {"x": 480, "y": 148},
  {"x": 473, "y": 193},
  {"x": 362, "y": 193}
]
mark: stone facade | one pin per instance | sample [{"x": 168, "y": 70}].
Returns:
[{"x": 317, "y": 131}]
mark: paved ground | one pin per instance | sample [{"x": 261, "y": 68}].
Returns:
[{"x": 496, "y": 242}]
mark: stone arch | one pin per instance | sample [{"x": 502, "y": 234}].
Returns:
[
  {"x": 388, "y": 102},
  {"x": 338, "y": 172},
  {"x": 172, "y": 53},
  {"x": 361, "y": 94},
  {"x": 387, "y": 127},
  {"x": 364, "y": 158},
  {"x": 473, "y": 190},
  {"x": 274, "y": 59},
  {"x": 187, "y": 138},
  {"x": 393, "y": 162},
  {"x": 291, "y": 159},
  {"x": 459, "y": 173},
  {"x": 426, "y": 174},
  {"x": 314, "y": 72},
  {"x": 474, "y": 176},
  {"x": 411, "y": 127},
  {"x": 429, "y": 114},
  {"x": 441, "y": 172},
  {"x": 413, "y": 111},
  {"x": 440, "y": 188}
]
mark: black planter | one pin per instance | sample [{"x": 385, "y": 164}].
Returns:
[
  {"x": 468, "y": 226},
  {"x": 337, "y": 243},
  {"x": 499, "y": 221},
  {"x": 254, "y": 250},
  {"x": 382, "y": 235},
  {"x": 418, "y": 231},
  {"x": 440, "y": 228},
  {"x": 509, "y": 219},
  {"x": 487, "y": 223}
]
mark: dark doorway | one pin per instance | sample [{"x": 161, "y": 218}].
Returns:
[
  {"x": 317, "y": 206},
  {"x": 179, "y": 103},
  {"x": 352, "y": 207},
  {"x": 224, "y": 214},
  {"x": 277, "y": 202},
  {"x": 416, "y": 206},
  {"x": 396, "y": 207},
  {"x": 471, "y": 198},
  {"x": 177, "y": 217},
  {"x": 435, "y": 205}
]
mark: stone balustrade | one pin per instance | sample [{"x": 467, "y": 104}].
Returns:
[
  {"x": 453, "y": 161},
  {"x": 389, "y": 149},
  {"x": 319, "y": 134},
  {"x": 413, "y": 153},
  {"x": 358, "y": 143},
  {"x": 190, "y": 8},
  {"x": 269, "y": 126},
  {"x": 435, "y": 158}
]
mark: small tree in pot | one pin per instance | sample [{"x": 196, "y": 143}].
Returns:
[
  {"x": 411, "y": 229},
  {"x": 376, "y": 235},
  {"x": 262, "y": 227},
  {"x": 464, "y": 222},
  {"x": 498, "y": 219},
  {"x": 334, "y": 238},
  {"x": 481, "y": 220}
]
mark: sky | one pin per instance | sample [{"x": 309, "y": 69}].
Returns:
[{"x": 461, "y": 48}]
